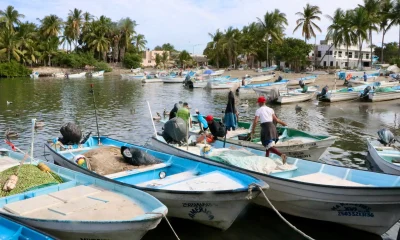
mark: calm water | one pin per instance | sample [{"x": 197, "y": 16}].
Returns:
[{"x": 123, "y": 114}]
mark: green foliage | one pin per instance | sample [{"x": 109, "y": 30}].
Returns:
[
  {"x": 79, "y": 60},
  {"x": 132, "y": 60},
  {"x": 390, "y": 51},
  {"x": 102, "y": 66},
  {"x": 293, "y": 51},
  {"x": 158, "y": 60},
  {"x": 13, "y": 69}
]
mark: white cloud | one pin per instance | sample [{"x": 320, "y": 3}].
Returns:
[{"x": 185, "y": 23}]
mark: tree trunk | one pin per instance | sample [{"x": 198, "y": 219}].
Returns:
[
  {"x": 399, "y": 40},
  {"x": 348, "y": 58},
  {"x": 9, "y": 54},
  {"x": 217, "y": 61},
  {"x": 49, "y": 60},
  {"x": 370, "y": 38},
  {"x": 383, "y": 39},
  {"x": 121, "y": 54},
  {"x": 266, "y": 63},
  {"x": 361, "y": 65}
]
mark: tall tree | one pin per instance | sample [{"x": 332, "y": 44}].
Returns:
[
  {"x": 127, "y": 27},
  {"x": 307, "y": 21},
  {"x": 386, "y": 7},
  {"x": 140, "y": 42},
  {"x": 76, "y": 20},
  {"x": 273, "y": 26},
  {"x": 164, "y": 58},
  {"x": 184, "y": 57},
  {"x": 371, "y": 9},
  {"x": 230, "y": 44},
  {"x": 360, "y": 25},
  {"x": 10, "y": 17},
  {"x": 51, "y": 26},
  {"x": 394, "y": 16},
  {"x": 9, "y": 43},
  {"x": 168, "y": 47},
  {"x": 215, "y": 46}
]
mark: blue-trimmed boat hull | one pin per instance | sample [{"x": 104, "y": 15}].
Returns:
[
  {"x": 134, "y": 228},
  {"x": 374, "y": 207},
  {"x": 10, "y": 230},
  {"x": 218, "y": 208}
]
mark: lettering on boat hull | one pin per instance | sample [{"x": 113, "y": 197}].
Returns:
[
  {"x": 199, "y": 208},
  {"x": 353, "y": 210}
]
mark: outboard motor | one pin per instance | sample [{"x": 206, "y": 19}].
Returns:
[
  {"x": 301, "y": 83},
  {"x": 280, "y": 78},
  {"x": 175, "y": 130},
  {"x": 386, "y": 137},
  {"x": 324, "y": 91},
  {"x": 188, "y": 81},
  {"x": 138, "y": 157},
  {"x": 71, "y": 134},
  {"x": 364, "y": 94}
]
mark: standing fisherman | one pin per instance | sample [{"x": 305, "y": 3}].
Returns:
[
  {"x": 269, "y": 135},
  {"x": 231, "y": 114}
]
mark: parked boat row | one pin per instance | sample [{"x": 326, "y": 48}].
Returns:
[{"x": 97, "y": 74}]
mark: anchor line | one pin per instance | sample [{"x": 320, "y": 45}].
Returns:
[{"x": 166, "y": 219}]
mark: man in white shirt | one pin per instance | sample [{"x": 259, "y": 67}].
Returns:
[{"x": 269, "y": 135}]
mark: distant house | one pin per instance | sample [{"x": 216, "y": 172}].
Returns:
[
  {"x": 149, "y": 58},
  {"x": 201, "y": 60},
  {"x": 328, "y": 55}
]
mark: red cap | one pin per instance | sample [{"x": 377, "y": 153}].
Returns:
[
  {"x": 261, "y": 99},
  {"x": 209, "y": 118}
]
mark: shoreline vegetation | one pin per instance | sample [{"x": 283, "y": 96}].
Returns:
[{"x": 98, "y": 43}]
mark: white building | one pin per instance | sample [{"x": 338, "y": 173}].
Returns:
[{"x": 331, "y": 56}]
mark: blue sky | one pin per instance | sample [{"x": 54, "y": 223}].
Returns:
[{"x": 185, "y": 23}]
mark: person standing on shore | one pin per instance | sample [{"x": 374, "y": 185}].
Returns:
[
  {"x": 231, "y": 114},
  {"x": 365, "y": 77},
  {"x": 269, "y": 134}
]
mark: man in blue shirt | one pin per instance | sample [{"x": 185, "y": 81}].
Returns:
[{"x": 365, "y": 77}]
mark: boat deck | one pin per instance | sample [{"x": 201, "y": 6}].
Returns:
[{"x": 83, "y": 203}]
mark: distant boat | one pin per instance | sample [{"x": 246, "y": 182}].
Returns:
[
  {"x": 306, "y": 80},
  {"x": 262, "y": 78},
  {"x": 59, "y": 75},
  {"x": 384, "y": 94},
  {"x": 294, "y": 97},
  {"x": 270, "y": 85},
  {"x": 385, "y": 157},
  {"x": 345, "y": 74},
  {"x": 13, "y": 230},
  {"x": 191, "y": 190},
  {"x": 76, "y": 75},
  {"x": 82, "y": 207},
  {"x": 34, "y": 75},
  {"x": 232, "y": 83},
  {"x": 98, "y": 74},
  {"x": 136, "y": 70},
  {"x": 266, "y": 69},
  {"x": 359, "y": 199}
]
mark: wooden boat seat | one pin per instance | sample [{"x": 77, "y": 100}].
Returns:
[
  {"x": 139, "y": 170},
  {"x": 94, "y": 205},
  {"x": 6, "y": 162},
  {"x": 169, "y": 179},
  {"x": 213, "y": 181},
  {"x": 326, "y": 179}
]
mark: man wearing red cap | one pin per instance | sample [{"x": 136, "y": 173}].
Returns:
[
  {"x": 269, "y": 135},
  {"x": 217, "y": 129}
]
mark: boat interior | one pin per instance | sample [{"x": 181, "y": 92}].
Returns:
[
  {"x": 78, "y": 198},
  {"x": 312, "y": 172},
  {"x": 173, "y": 173},
  {"x": 13, "y": 230},
  {"x": 389, "y": 154}
]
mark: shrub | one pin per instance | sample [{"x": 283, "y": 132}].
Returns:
[
  {"x": 102, "y": 66},
  {"x": 79, "y": 60},
  {"x": 13, "y": 69},
  {"x": 132, "y": 60}
]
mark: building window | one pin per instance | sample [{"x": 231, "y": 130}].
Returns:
[
  {"x": 335, "y": 53},
  {"x": 337, "y": 64},
  {"x": 350, "y": 54},
  {"x": 340, "y": 53},
  {"x": 149, "y": 61},
  {"x": 319, "y": 54},
  {"x": 345, "y": 64},
  {"x": 355, "y": 54},
  {"x": 331, "y": 64},
  {"x": 367, "y": 56},
  {"x": 345, "y": 54},
  {"x": 324, "y": 63}
]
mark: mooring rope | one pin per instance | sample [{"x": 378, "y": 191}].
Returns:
[
  {"x": 166, "y": 219},
  {"x": 284, "y": 219}
]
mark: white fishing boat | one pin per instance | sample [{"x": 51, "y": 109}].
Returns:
[
  {"x": 349, "y": 74},
  {"x": 136, "y": 70},
  {"x": 360, "y": 81},
  {"x": 79, "y": 206},
  {"x": 384, "y": 94},
  {"x": 217, "y": 73},
  {"x": 152, "y": 80},
  {"x": 34, "y": 75},
  {"x": 233, "y": 85},
  {"x": 359, "y": 199},
  {"x": 173, "y": 79},
  {"x": 266, "y": 69},
  {"x": 306, "y": 80},
  {"x": 98, "y": 73},
  {"x": 76, "y": 75},
  {"x": 294, "y": 97},
  {"x": 260, "y": 88},
  {"x": 191, "y": 190},
  {"x": 387, "y": 158},
  {"x": 262, "y": 78},
  {"x": 59, "y": 75}
]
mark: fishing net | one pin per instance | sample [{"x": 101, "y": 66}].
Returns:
[
  {"x": 108, "y": 160},
  {"x": 244, "y": 159},
  {"x": 384, "y": 89},
  {"x": 29, "y": 177}
]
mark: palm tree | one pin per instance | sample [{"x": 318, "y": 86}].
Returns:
[
  {"x": 164, "y": 58},
  {"x": 216, "y": 45},
  {"x": 306, "y": 21},
  {"x": 9, "y": 43},
  {"x": 127, "y": 27},
  {"x": 140, "y": 42},
  {"x": 51, "y": 26},
  {"x": 360, "y": 26},
  {"x": 10, "y": 17},
  {"x": 48, "y": 49},
  {"x": 75, "y": 18},
  {"x": 98, "y": 41},
  {"x": 230, "y": 44},
  {"x": 394, "y": 16},
  {"x": 386, "y": 7},
  {"x": 341, "y": 32},
  {"x": 371, "y": 8},
  {"x": 250, "y": 40},
  {"x": 184, "y": 57},
  {"x": 273, "y": 26}
]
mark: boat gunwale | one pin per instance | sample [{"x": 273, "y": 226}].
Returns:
[
  {"x": 236, "y": 191},
  {"x": 388, "y": 164},
  {"x": 347, "y": 188}
]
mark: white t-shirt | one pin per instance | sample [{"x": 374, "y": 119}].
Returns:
[{"x": 265, "y": 114}]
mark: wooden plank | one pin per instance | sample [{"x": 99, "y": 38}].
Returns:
[
  {"x": 74, "y": 193},
  {"x": 78, "y": 205},
  {"x": 31, "y": 205}
]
